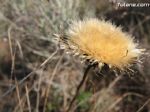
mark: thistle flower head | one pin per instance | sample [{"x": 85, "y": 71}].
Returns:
[{"x": 101, "y": 42}]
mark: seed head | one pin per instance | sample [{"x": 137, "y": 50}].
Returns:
[{"x": 101, "y": 42}]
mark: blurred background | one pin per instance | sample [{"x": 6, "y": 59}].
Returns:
[{"x": 36, "y": 76}]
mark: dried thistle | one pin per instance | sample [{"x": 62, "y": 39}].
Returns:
[{"x": 101, "y": 42}]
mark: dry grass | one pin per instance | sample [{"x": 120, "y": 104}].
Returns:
[{"x": 36, "y": 76}]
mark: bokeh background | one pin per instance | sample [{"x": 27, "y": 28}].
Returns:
[{"x": 37, "y": 76}]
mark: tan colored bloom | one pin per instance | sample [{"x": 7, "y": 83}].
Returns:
[{"x": 102, "y": 42}]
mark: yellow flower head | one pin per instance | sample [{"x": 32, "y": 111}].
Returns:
[{"x": 102, "y": 42}]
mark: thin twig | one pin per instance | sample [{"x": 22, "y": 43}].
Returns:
[
  {"x": 140, "y": 109},
  {"x": 51, "y": 78},
  {"x": 11, "y": 51},
  {"x": 79, "y": 86},
  {"x": 38, "y": 92},
  {"x": 28, "y": 100},
  {"x": 18, "y": 95}
]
